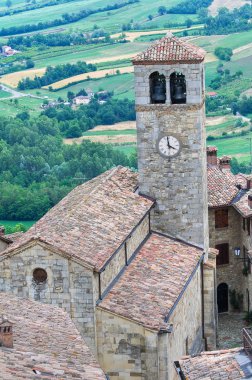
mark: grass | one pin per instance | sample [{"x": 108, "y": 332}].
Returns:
[
  {"x": 4, "y": 94},
  {"x": 126, "y": 149},
  {"x": 122, "y": 85},
  {"x": 50, "y": 13},
  {"x": 110, "y": 132},
  {"x": 238, "y": 147},
  {"x": 13, "y": 223},
  {"x": 10, "y": 108},
  {"x": 232, "y": 41}
]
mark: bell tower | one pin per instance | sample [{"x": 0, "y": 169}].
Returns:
[{"x": 169, "y": 86}]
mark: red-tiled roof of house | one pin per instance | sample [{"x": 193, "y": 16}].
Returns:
[
  {"x": 46, "y": 340},
  {"x": 217, "y": 365},
  {"x": 92, "y": 221},
  {"x": 242, "y": 204},
  {"x": 151, "y": 284},
  {"x": 170, "y": 49},
  {"x": 222, "y": 187}
]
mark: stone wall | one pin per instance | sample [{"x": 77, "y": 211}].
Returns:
[
  {"x": 179, "y": 183},
  {"x": 69, "y": 285},
  {"x": 194, "y": 75},
  {"x": 124, "y": 254},
  {"x": 231, "y": 273},
  {"x": 126, "y": 350},
  {"x": 210, "y": 301},
  {"x": 186, "y": 336},
  {"x": 3, "y": 245}
]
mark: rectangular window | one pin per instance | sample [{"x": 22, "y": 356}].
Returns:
[
  {"x": 221, "y": 218},
  {"x": 248, "y": 226},
  {"x": 223, "y": 256}
]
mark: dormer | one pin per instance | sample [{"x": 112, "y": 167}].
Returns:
[
  {"x": 6, "y": 333},
  {"x": 170, "y": 72}
]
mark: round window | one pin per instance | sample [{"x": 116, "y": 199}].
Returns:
[{"x": 39, "y": 275}]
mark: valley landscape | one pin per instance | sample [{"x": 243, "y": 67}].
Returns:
[{"x": 50, "y": 40}]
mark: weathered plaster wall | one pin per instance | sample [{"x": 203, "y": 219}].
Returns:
[{"x": 69, "y": 285}]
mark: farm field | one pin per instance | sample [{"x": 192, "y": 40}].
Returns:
[
  {"x": 4, "y": 94},
  {"x": 52, "y": 12}
]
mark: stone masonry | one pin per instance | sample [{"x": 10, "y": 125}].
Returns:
[{"x": 178, "y": 184}]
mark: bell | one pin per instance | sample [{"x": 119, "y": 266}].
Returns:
[
  {"x": 178, "y": 92},
  {"x": 159, "y": 92}
]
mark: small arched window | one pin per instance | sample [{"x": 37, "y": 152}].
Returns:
[
  {"x": 157, "y": 88},
  {"x": 39, "y": 276},
  {"x": 178, "y": 88}
]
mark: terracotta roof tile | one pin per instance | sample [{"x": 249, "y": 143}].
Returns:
[
  {"x": 93, "y": 219},
  {"x": 216, "y": 365},
  {"x": 242, "y": 204},
  {"x": 45, "y": 339},
  {"x": 221, "y": 187},
  {"x": 170, "y": 49},
  {"x": 153, "y": 281}
]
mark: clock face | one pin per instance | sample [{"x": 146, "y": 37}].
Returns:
[{"x": 169, "y": 146}]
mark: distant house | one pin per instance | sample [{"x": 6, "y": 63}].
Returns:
[
  {"x": 81, "y": 100},
  {"x": 212, "y": 94},
  {"x": 7, "y": 51}
]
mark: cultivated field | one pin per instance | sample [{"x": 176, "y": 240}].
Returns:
[{"x": 230, "y": 4}]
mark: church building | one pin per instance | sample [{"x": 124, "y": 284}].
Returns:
[{"x": 127, "y": 255}]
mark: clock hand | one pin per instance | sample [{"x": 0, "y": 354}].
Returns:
[{"x": 168, "y": 143}]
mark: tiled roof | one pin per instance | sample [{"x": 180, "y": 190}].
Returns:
[
  {"x": 170, "y": 49},
  {"x": 217, "y": 365},
  {"x": 152, "y": 282},
  {"x": 93, "y": 219},
  {"x": 46, "y": 340},
  {"x": 242, "y": 204},
  {"x": 13, "y": 237},
  {"x": 221, "y": 187}
]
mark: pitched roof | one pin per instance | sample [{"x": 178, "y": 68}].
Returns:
[
  {"x": 242, "y": 204},
  {"x": 170, "y": 49},
  {"x": 45, "y": 339},
  {"x": 221, "y": 187},
  {"x": 213, "y": 365},
  {"x": 93, "y": 219},
  {"x": 153, "y": 281}
]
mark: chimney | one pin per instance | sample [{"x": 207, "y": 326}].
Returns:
[
  {"x": 6, "y": 333},
  {"x": 250, "y": 201},
  {"x": 212, "y": 155},
  {"x": 2, "y": 230},
  {"x": 225, "y": 163}
]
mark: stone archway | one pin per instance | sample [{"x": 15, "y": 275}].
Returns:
[{"x": 222, "y": 297}]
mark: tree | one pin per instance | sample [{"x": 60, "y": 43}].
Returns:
[
  {"x": 162, "y": 10},
  {"x": 150, "y": 17},
  {"x": 8, "y": 3},
  {"x": 189, "y": 23}
]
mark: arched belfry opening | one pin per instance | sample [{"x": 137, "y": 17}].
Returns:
[
  {"x": 178, "y": 88},
  {"x": 157, "y": 88}
]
